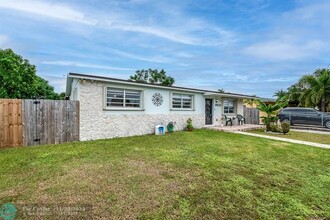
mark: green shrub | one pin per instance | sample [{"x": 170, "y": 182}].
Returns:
[
  {"x": 274, "y": 128},
  {"x": 270, "y": 123},
  {"x": 285, "y": 127},
  {"x": 190, "y": 126}
]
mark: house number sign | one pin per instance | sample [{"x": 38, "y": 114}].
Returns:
[{"x": 157, "y": 99}]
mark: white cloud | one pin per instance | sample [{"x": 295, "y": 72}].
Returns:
[
  {"x": 3, "y": 40},
  {"x": 48, "y": 9},
  {"x": 310, "y": 12},
  {"x": 279, "y": 79},
  {"x": 156, "y": 31},
  {"x": 78, "y": 64},
  {"x": 190, "y": 31},
  {"x": 155, "y": 59},
  {"x": 58, "y": 82},
  {"x": 298, "y": 34},
  {"x": 183, "y": 54},
  {"x": 284, "y": 50},
  {"x": 251, "y": 5}
]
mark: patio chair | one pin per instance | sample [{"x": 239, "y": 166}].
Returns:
[
  {"x": 240, "y": 119},
  {"x": 228, "y": 120}
]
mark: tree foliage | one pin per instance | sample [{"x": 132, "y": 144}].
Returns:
[
  {"x": 293, "y": 95},
  {"x": 311, "y": 90},
  {"x": 153, "y": 76},
  {"x": 280, "y": 94},
  {"x": 271, "y": 111},
  {"x": 46, "y": 91},
  {"x": 18, "y": 78},
  {"x": 316, "y": 89}
]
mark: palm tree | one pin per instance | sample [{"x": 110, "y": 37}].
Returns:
[
  {"x": 270, "y": 110},
  {"x": 280, "y": 94},
  {"x": 293, "y": 95},
  {"x": 316, "y": 89}
]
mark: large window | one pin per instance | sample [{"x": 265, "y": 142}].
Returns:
[
  {"x": 228, "y": 106},
  {"x": 181, "y": 101},
  {"x": 123, "y": 98}
]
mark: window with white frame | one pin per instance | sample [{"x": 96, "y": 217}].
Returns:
[
  {"x": 123, "y": 98},
  {"x": 228, "y": 106},
  {"x": 182, "y": 101}
]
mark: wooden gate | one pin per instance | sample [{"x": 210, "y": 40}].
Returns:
[
  {"x": 251, "y": 115},
  {"x": 11, "y": 124},
  {"x": 34, "y": 122}
]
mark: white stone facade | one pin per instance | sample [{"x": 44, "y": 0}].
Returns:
[
  {"x": 98, "y": 123},
  {"x": 109, "y": 126}
]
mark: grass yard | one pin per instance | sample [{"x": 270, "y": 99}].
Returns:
[
  {"x": 185, "y": 175},
  {"x": 296, "y": 135}
]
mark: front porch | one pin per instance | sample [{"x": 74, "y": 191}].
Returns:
[
  {"x": 245, "y": 127},
  {"x": 220, "y": 107}
]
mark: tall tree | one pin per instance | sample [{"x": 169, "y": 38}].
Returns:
[
  {"x": 316, "y": 89},
  {"x": 280, "y": 94},
  {"x": 153, "y": 76},
  {"x": 293, "y": 95},
  {"x": 44, "y": 90},
  {"x": 18, "y": 78}
]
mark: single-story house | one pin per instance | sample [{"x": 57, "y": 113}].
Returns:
[{"x": 112, "y": 107}]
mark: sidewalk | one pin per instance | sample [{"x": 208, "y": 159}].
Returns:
[
  {"x": 311, "y": 131},
  {"x": 245, "y": 127},
  {"x": 285, "y": 139}
]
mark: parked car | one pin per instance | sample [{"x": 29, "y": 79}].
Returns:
[{"x": 306, "y": 116}]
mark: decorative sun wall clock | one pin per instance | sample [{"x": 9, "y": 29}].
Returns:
[{"x": 157, "y": 99}]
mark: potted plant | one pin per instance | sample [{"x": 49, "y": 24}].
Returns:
[
  {"x": 190, "y": 126},
  {"x": 170, "y": 127}
]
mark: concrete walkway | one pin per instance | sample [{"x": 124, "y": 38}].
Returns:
[
  {"x": 245, "y": 127},
  {"x": 285, "y": 139},
  {"x": 312, "y": 131}
]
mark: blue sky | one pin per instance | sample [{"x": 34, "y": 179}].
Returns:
[{"x": 253, "y": 47}]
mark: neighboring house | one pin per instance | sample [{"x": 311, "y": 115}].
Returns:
[
  {"x": 264, "y": 100},
  {"x": 116, "y": 108}
]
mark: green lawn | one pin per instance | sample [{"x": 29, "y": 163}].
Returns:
[
  {"x": 296, "y": 135},
  {"x": 203, "y": 174}
]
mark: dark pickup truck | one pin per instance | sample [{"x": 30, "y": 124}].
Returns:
[{"x": 306, "y": 116}]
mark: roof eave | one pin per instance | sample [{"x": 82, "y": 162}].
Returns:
[
  {"x": 104, "y": 79},
  {"x": 71, "y": 76},
  {"x": 228, "y": 95}
]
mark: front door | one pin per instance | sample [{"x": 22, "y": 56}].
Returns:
[{"x": 208, "y": 111}]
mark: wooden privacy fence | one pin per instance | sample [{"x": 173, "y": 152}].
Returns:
[
  {"x": 251, "y": 115},
  {"x": 33, "y": 122}
]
